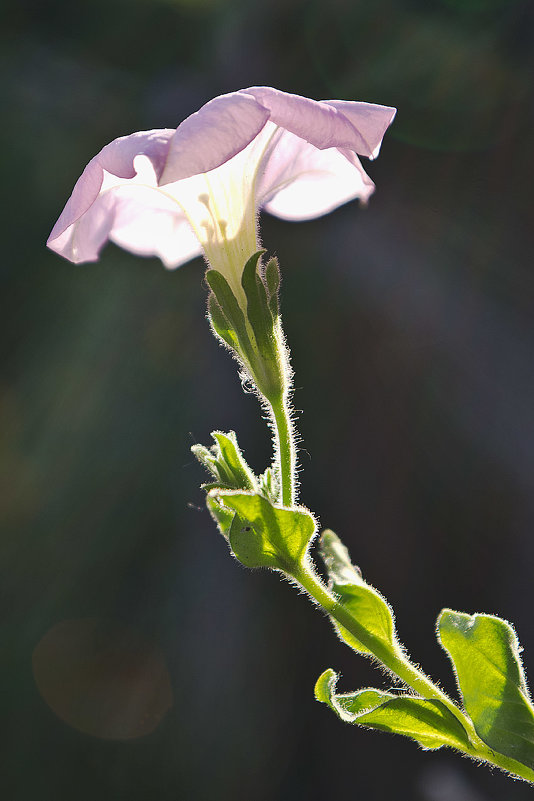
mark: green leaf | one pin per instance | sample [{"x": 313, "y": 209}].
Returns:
[
  {"x": 364, "y": 603},
  {"x": 427, "y": 721},
  {"x": 484, "y": 651},
  {"x": 265, "y": 535},
  {"x": 222, "y": 516}
]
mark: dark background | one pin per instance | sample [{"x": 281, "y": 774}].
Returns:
[{"x": 412, "y": 337}]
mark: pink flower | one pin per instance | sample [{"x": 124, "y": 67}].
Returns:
[{"x": 197, "y": 190}]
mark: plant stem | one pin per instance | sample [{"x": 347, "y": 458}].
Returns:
[
  {"x": 398, "y": 664},
  {"x": 285, "y": 450}
]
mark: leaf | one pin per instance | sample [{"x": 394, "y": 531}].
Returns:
[
  {"x": 364, "y": 603},
  {"x": 265, "y": 535},
  {"x": 427, "y": 721},
  {"x": 223, "y": 517},
  {"x": 484, "y": 651}
]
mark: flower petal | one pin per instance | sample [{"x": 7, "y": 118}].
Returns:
[
  {"x": 117, "y": 158},
  {"x": 300, "y": 182},
  {"x": 138, "y": 218},
  {"x": 371, "y": 120},
  {"x": 213, "y": 135},
  {"x": 327, "y": 123},
  {"x": 148, "y": 224}
]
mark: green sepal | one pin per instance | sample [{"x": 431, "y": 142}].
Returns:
[
  {"x": 220, "y": 323},
  {"x": 265, "y": 535},
  {"x": 269, "y": 485},
  {"x": 258, "y": 311},
  {"x": 229, "y": 454},
  {"x": 267, "y": 367},
  {"x": 226, "y": 299},
  {"x": 485, "y": 655},
  {"x": 427, "y": 721},
  {"x": 226, "y": 463},
  {"x": 235, "y": 319},
  {"x": 273, "y": 280},
  {"x": 364, "y": 603},
  {"x": 256, "y": 338}
]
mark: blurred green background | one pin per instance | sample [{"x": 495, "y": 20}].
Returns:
[{"x": 412, "y": 335}]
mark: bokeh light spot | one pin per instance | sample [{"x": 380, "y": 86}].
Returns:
[{"x": 102, "y": 678}]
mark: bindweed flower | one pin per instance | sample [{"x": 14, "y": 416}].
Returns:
[{"x": 177, "y": 194}]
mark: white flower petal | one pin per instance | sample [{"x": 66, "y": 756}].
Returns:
[
  {"x": 115, "y": 161},
  {"x": 327, "y": 123},
  {"x": 148, "y": 224},
  {"x": 213, "y": 135},
  {"x": 369, "y": 119},
  {"x": 300, "y": 182}
]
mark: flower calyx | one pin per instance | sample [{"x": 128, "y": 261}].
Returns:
[
  {"x": 226, "y": 464},
  {"x": 254, "y": 334}
]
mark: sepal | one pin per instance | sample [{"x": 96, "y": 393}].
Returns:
[
  {"x": 253, "y": 333},
  {"x": 269, "y": 485},
  {"x": 226, "y": 463},
  {"x": 272, "y": 281},
  {"x": 220, "y": 323}
]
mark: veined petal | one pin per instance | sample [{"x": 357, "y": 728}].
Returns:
[
  {"x": 327, "y": 123},
  {"x": 115, "y": 159},
  {"x": 300, "y": 182},
  {"x": 213, "y": 135}
]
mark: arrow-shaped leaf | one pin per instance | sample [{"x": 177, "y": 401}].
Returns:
[{"x": 265, "y": 535}]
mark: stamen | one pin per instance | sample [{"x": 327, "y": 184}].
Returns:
[
  {"x": 208, "y": 227},
  {"x": 223, "y": 225}
]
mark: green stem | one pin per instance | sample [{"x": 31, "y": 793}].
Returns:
[
  {"x": 398, "y": 664},
  {"x": 285, "y": 450}
]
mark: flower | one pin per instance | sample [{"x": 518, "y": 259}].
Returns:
[{"x": 197, "y": 190}]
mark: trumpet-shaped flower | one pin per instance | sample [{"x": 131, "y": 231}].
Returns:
[{"x": 198, "y": 189}]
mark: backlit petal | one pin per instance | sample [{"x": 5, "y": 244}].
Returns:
[
  {"x": 300, "y": 182},
  {"x": 344, "y": 124},
  {"x": 116, "y": 159},
  {"x": 213, "y": 135},
  {"x": 370, "y": 119}
]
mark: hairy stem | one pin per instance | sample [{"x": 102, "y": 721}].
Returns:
[{"x": 285, "y": 450}]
